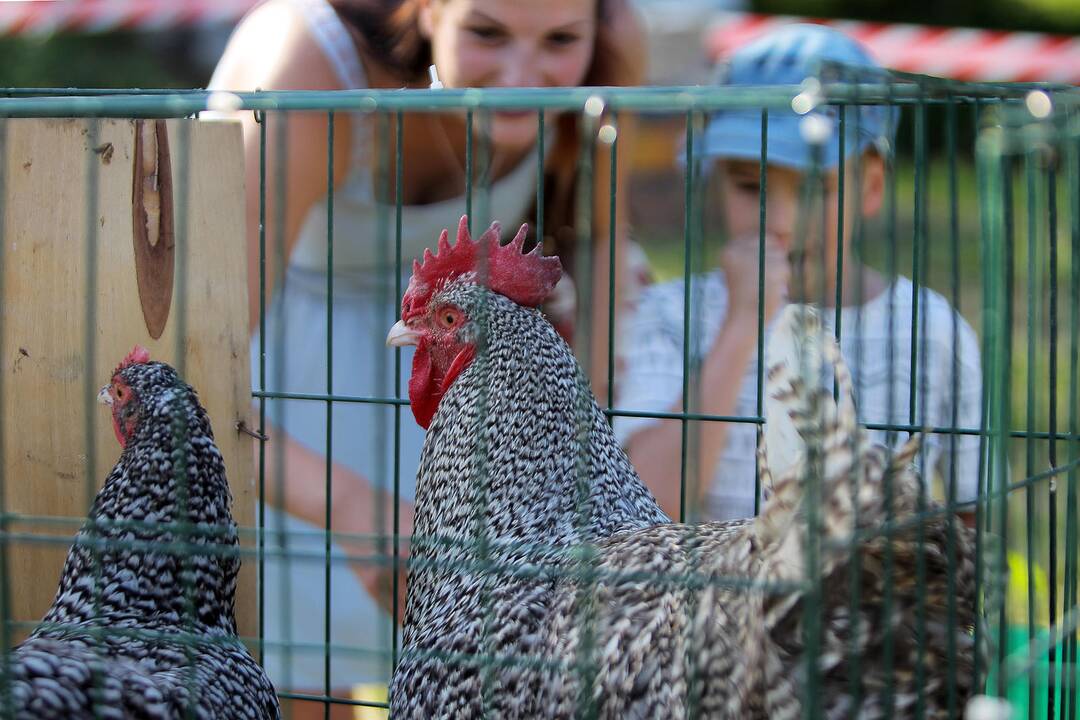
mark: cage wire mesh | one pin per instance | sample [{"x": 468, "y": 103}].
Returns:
[
  {"x": 980, "y": 207},
  {"x": 1025, "y": 162}
]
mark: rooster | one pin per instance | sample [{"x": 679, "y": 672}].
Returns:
[
  {"x": 142, "y": 624},
  {"x": 545, "y": 581}
]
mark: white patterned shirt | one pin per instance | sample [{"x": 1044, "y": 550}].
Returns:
[{"x": 876, "y": 343}]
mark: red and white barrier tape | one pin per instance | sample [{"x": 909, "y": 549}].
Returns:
[
  {"x": 958, "y": 53},
  {"x": 37, "y": 17}
]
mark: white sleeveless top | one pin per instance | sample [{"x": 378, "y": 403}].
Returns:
[
  {"x": 297, "y": 331},
  {"x": 356, "y": 209}
]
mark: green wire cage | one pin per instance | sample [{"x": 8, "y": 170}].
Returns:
[{"x": 982, "y": 205}]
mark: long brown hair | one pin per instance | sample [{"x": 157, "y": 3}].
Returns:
[{"x": 389, "y": 30}]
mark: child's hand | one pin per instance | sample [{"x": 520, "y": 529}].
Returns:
[{"x": 739, "y": 261}]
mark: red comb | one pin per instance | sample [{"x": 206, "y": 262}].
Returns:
[
  {"x": 138, "y": 354},
  {"x": 526, "y": 278}
]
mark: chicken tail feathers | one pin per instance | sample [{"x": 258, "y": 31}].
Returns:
[{"x": 814, "y": 454}]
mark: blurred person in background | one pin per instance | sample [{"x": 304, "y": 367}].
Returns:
[
  {"x": 341, "y": 45},
  {"x": 800, "y": 258}
]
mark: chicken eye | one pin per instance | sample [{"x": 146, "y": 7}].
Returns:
[
  {"x": 119, "y": 393},
  {"x": 448, "y": 318}
]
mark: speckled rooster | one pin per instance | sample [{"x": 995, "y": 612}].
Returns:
[
  {"x": 545, "y": 581},
  {"x": 139, "y": 629}
]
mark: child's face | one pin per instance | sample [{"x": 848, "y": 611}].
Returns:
[{"x": 810, "y": 237}]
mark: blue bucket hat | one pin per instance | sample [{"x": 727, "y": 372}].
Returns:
[{"x": 789, "y": 56}]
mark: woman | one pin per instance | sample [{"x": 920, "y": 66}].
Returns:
[{"x": 324, "y": 45}]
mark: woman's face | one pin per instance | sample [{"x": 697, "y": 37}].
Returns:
[{"x": 510, "y": 43}]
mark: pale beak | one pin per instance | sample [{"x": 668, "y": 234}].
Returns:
[
  {"x": 103, "y": 395},
  {"x": 401, "y": 335}
]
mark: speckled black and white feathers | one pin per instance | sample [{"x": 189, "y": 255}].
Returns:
[
  {"x": 142, "y": 624},
  {"x": 714, "y": 618},
  {"x": 518, "y": 467},
  {"x": 545, "y": 582}
]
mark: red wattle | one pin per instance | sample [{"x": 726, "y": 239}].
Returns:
[
  {"x": 426, "y": 388},
  {"x": 116, "y": 431},
  {"x": 423, "y": 390}
]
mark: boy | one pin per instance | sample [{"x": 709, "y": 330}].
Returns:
[{"x": 800, "y": 266}]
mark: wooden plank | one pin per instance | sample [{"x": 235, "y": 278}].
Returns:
[{"x": 67, "y": 190}]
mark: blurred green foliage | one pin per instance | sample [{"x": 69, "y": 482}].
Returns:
[
  {"x": 1056, "y": 16},
  {"x": 110, "y": 60}
]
